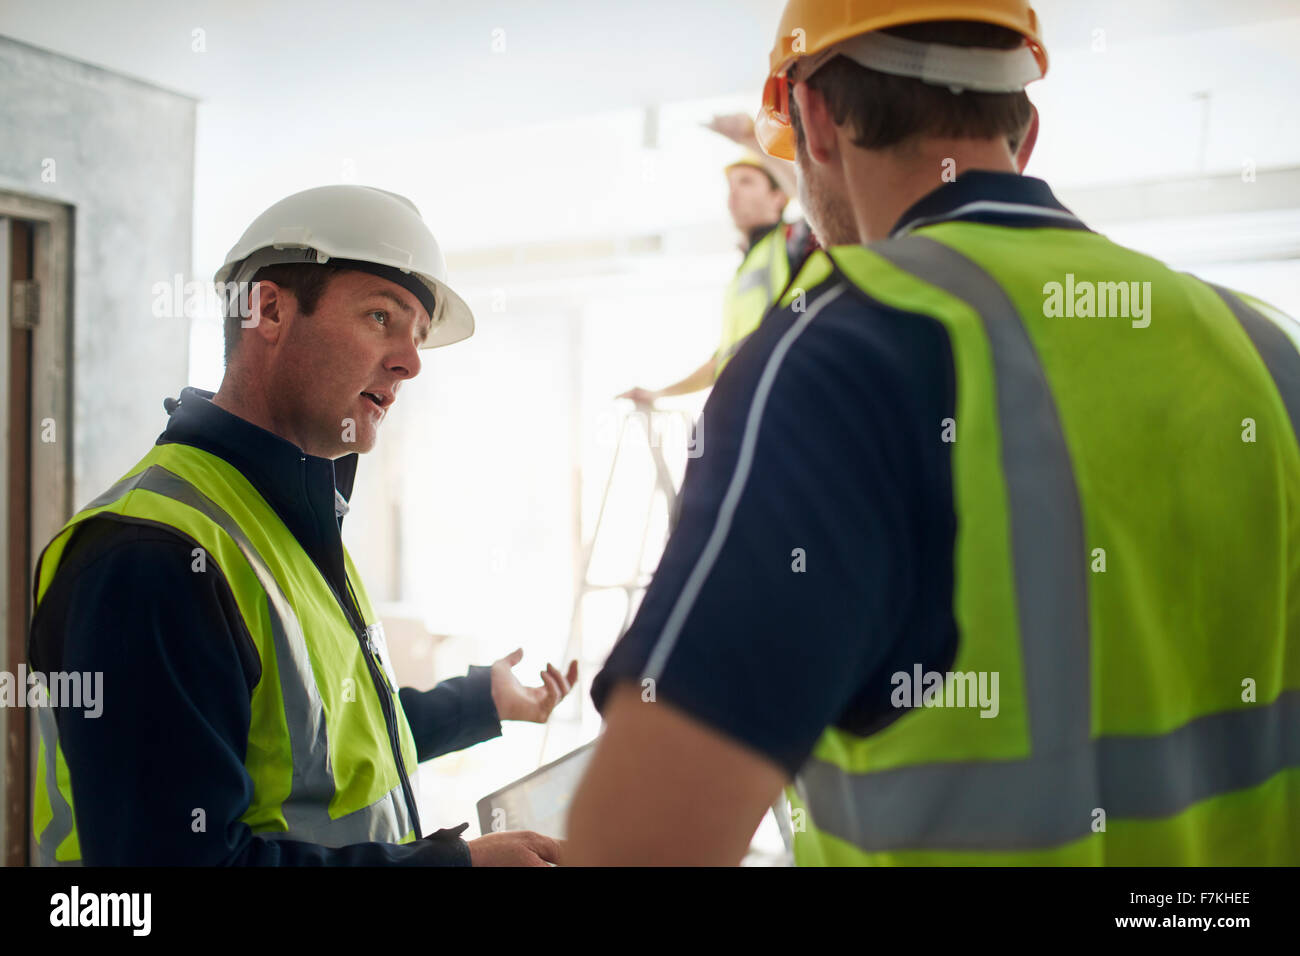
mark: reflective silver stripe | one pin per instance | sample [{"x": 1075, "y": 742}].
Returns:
[
  {"x": 384, "y": 821},
  {"x": 1049, "y": 798},
  {"x": 761, "y": 276},
  {"x": 1047, "y": 541},
  {"x": 752, "y": 279},
  {"x": 60, "y": 825},
  {"x": 306, "y": 809},
  {"x": 312, "y": 788},
  {"x": 1275, "y": 348},
  {"x": 727, "y": 510},
  {"x": 990, "y": 206}
]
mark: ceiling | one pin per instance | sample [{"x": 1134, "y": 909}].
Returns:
[
  {"x": 442, "y": 99},
  {"x": 436, "y": 60}
]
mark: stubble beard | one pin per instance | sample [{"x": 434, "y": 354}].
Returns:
[{"x": 829, "y": 215}]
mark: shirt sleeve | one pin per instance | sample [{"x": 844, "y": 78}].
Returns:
[
  {"x": 455, "y": 714},
  {"x": 782, "y": 592},
  {"x": 172, "y": 730}
]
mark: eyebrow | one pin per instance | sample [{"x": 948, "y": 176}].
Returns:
[
  {"x": 385, "y": 294},
  {"x": 391, "y": 297}
]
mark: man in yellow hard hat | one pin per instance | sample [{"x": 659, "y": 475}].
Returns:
[
  {"x": 995, "y": 553},
  {"x": 758, "y": 190}
]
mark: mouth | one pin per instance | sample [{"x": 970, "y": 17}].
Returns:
[{"x": 381, "y": 399}]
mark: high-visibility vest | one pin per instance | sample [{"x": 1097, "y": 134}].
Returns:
[
  {"x": 321, "y": 751},
  {"x": 760, "y": 280},
  {"x": 1127, "y": 561}
]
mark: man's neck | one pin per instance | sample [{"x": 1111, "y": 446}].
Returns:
[
  {"x": 884, "y": 185},
  {"x": 249, "y": 404},
  {"x": 749, "y": 237}
]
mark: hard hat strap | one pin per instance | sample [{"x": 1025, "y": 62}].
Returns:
[{"x": 940, "y": 64}]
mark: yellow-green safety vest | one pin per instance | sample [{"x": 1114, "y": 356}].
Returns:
[
  {"x": 1127, "y": 560},
  {"x": 320, "y": 753},
  {"x": 760, "y": 280}
]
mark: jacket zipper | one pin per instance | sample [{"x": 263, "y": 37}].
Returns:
[
  {"x": 385, "y": 700},
  {"x": 355, "y": 621}
]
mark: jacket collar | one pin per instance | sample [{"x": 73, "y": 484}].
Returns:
[
  {"x": 310, "y": 494},
  {"x": 982, "y": 195},
  {"x": 757, "y": 234}
]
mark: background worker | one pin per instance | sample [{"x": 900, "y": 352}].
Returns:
[
  {"x": 1080, "y": 521},
  {"x": 758, "y": 190},
  {"x": 251, "y": 715}
]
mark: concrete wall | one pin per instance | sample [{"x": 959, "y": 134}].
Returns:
[{"x": 121, "y": 154}]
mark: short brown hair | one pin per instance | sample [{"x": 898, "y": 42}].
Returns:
[
  {"x": 307, "y": 282},
  {"x": 883, "y": 110}
]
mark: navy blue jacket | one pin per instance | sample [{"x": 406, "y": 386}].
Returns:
[
  {"x": 179, "y": 671},
  {"x": 810, "y": 567}
]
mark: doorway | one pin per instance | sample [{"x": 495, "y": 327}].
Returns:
[{"x": 35, "y": 460}]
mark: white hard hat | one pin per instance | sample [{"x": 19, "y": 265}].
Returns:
[{"x": 355, "y": 227}]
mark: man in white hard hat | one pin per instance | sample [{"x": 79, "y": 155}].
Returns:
[{"x": 252, "y": 714}]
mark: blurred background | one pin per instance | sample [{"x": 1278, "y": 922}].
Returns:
[{"x": 558, "y": 152}]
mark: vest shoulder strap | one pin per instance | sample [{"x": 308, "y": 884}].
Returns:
[{"x": 816, "y": 269}]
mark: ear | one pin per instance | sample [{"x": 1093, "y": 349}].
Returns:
[
  {"x": 269, "y": 306},
  {"x": 1027, "y": 144},
  {"x": 818, "y": 125}
]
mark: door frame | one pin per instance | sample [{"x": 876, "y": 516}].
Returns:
[{"x": 49, "y": 480}]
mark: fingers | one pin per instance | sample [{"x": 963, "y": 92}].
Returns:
[
  {"x": 555, "y": 687},
  {"x": 737, "y": 127},
  {"x": 559, "y": 678},
  {"x": 639, "y": 397},
  {"x": 553, "y": 693},
  {"x": 511, "y": 658},
  {"x": 546, "y": 848},
  {"x": 515, "y": 848}
]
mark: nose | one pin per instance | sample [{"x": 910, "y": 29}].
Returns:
[{"x": 405, "y": 363}]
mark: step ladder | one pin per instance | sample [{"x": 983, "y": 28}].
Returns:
[
  {"x": 643, "y": 418},
  {"x": 635, "y": 426}
]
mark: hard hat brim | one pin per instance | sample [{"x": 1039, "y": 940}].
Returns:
[{"x": 454, "y": 322}]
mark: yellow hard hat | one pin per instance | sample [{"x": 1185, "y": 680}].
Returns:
[
  {"x": 749, "y": 158},
  {"x": 811, "y": 28}
]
